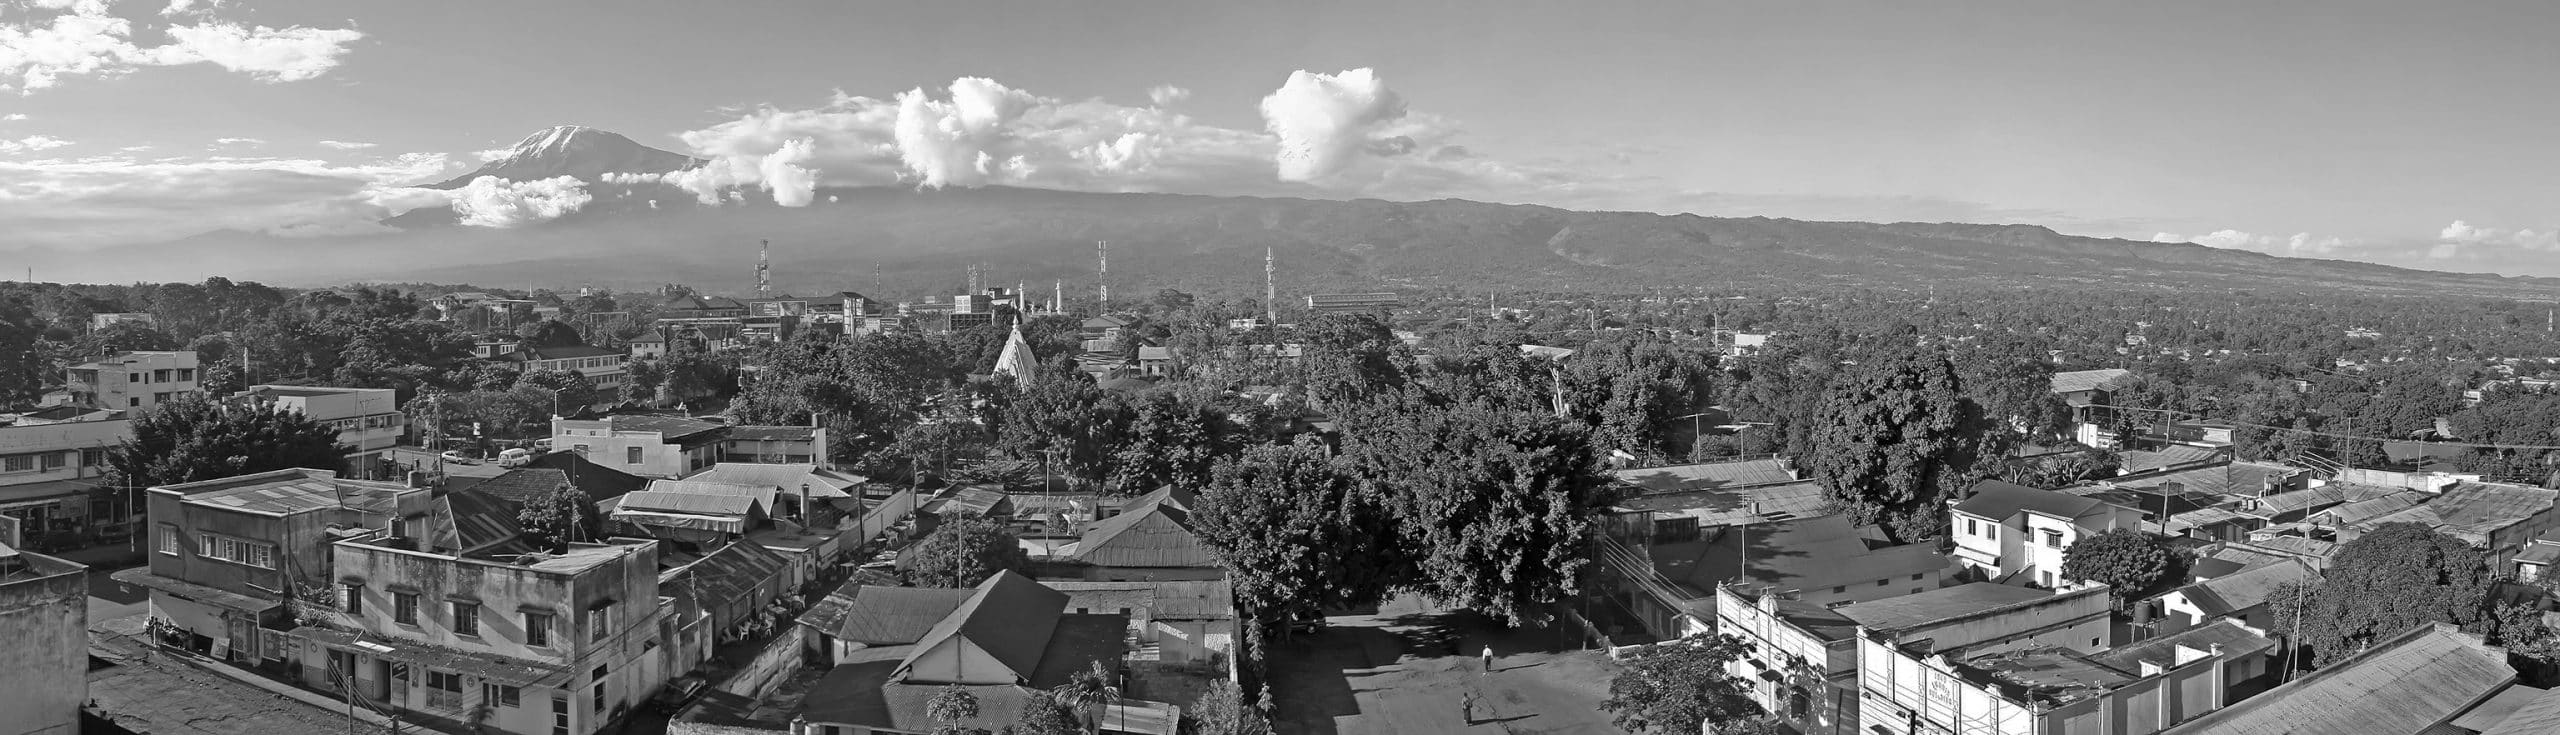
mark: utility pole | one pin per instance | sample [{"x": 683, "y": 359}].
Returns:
[{"x": 1270, "y": 289}]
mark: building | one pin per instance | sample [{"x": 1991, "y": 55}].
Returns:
[
  {"x": 1017, "y": 360},
  {"x": 2498, "y": 518},
  {"x": 533, "y": 644},
  {"x": 786, "y": 487},
  {"x": 1353, "y": 303},
  {"x": 2239, "y": 596},
  {"x": 649, "y": 346},
  {"x": 779, "y": 305},
  {"x": 1801, "y": 659},
  {"x": 2013, "y": 531},
  {"x": 2036, "y": 688},
  {"x": 801, "y": 445},
  {"x": 2411, "y": 684},
  {"x": 698, "y": 307},
  {"x": 1148, "y": 540},
  {"x": 132, "y": 380},
  {"x": 2090, "y": 394},
  {"x": 1822, "y": 561},
  {"x": 604, "y": 368},
  {"x": 103, "y": 321},
  {"x": 53, "y": 480},
  {"x": 44, "y": 625},
  {"x": 368, "y": 420},
  {"x": 649, "y": 446},
  {"x": 226, "y": 555},
  {"x": 733, "y": 585},
  {"x": 1174, "y": 621}
]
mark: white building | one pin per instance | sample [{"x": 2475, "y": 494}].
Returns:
[
  {"x": 604, "y": 368},
  {"x": 368, "y": 420},
  {"x": 132, "y": 380},
  {"x": 49, "y": 472},
  {"x": 2007, "y": 530}
]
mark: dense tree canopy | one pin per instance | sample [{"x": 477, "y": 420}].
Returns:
[
  {"x": 962, "y": 552},
  {"x": 1898, "y": 437},
  {"x": 1676, "y": 687},
  {"x": 191, "y": 438},
  {"x": 553, "y": 518},
  {"x": 2126, "y": 560},
  {"x": 1296, "y": 534},
  {"x": 2393, "y": 578}
]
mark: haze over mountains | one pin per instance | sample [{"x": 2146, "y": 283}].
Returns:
[{"x": 636, "y": 235}]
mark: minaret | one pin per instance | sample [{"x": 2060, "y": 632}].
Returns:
[
  {"x": 1057, "y": 297},
  {"x": 1270, "y": 288},
  {"x": 764, "y": 272},
  {"x": 1102, "y": 275}
]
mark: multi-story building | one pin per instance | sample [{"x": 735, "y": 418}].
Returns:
[
  {"x": 603, "y": 368},
  {"x": 368, "y": 420},
  {"x": 2008, "y": 530},
  {"x": 775, "y": 445},
  {"x": 44, "y": 625},
  {"x": 536, "y": 644},
  {"x": 1800, "y": 660},
  {"x": 102, "y": 321},
  {"x": 53, "y": 478},
  {"x": 225, "y": 556},
  {"x": 132, "y": 380},
  {"x": 2089, "y": 393},
  {"x": 2037, "y": 688},
  {"x": 649, "y": 446},
  {"x": 779, "y": 305}
]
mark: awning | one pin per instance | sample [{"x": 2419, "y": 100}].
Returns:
[
  {"x": 36, "y": 493},
  {"x": 680, "y": 520}
]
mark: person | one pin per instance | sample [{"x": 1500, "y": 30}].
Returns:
[
  {"x": 1488, "y": 658},
  {"x": 1467, "y": 706}
]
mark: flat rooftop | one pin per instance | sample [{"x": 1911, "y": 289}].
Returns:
[
  {"x": 305, "y": 391},
  {"x": 1909, "y": 611},
  {"x": 286, "y": 492},
  {"x": 579, "y": 557}
]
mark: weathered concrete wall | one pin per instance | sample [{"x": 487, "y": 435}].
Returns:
[
  {"x": 44, "y": 628},
  {"x": 770, "y": 666}
]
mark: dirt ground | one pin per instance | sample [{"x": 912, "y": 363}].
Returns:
[{"x": 1407, "y": 668}]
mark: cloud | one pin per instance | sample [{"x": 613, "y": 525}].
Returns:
[
  {"x": 32, "y": 144},
  {"x": 345, "y": 145},
  {"x": 490, "y": 202},
  {"x": 83, "y": 40},
  {"x": 1164, "y": 95},
  {"x": 2297, "y": 245},
  {"x": 181, "y": 7},
  {"x": 792, "y": 184},
  {"x": 123, "y": 199},
  {"x": 1323, "y": 120},
  {"x": 13, "y": 117},
  {"x": 2462, "y": 233},
  {"x": 250, "y": 142}
]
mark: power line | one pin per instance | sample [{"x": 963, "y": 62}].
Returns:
[{"x": 2308, "y": 432}]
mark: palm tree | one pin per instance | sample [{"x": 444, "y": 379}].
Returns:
[{"x": 1087, "y": 692}]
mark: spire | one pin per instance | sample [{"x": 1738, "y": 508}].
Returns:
[
  {"x": 1270, "y": 288},
  {"x": 1017, "y": 360},
  {"x": 1102, "y": 275}
]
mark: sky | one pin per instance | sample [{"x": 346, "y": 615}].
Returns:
[{"x": 2404, "y": 133}]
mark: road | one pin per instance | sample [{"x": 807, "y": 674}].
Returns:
[{"x": 1408, "y": 669}]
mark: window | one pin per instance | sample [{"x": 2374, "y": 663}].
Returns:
[
  {"x": 132, "y": 377},
  {"x": 2048, "y": 579},
  {"x": 93, "y": 458},
  {"x": 404, "y": 608},
  {"x": 1840, "y": 589},
  {"x": 500, "y": 695},
  {"x": 56, "y": 460},
  {"x": 598, "y": 620},
  {"x": 354, "y": 599},
  {"x": 559, "y": 714},
  {"x": 597, "y": 692},
  {"x": 631, "y": 455},
  {"x": 537, "y": 630},
  {"x": 466, "y": 618},
  {"x": 186, "y": 375},
  {"x": 161, "y": 375},
  {"x": 1675, "y": 530},
  {"x": 1883, "y": 582},
  {"x": 236, "y": 551},
  {"x": 168, "y": 539},
  {"x": 444, "y": 690},
  {"x": 159, "y": 398},
  {"x": 133, "y": 402},
  {"x": 18, "y": 463},
  {"x": 1918, "y": 577},
  {"x": 1972, "y": 528},
  {"x": 2053, "y": 539}
]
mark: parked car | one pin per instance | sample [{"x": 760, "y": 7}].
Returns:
[
  {"x": 457, "y": 456},
  {"x": 679, "y": 692},
  {"x": 515, "y": 458},
  {"x": 543, "y": 444}
]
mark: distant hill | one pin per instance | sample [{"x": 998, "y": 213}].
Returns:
[{"x": 924, "y": 239}]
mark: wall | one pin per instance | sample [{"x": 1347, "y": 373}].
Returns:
[
  {"x": 770, "y": 666},
  {"x": 1893, "y": 683},
  {"x": 956, "y": 660},
  {"x": 1977, "y": 544},
  {"x": 2075, "y": 620},
  {"x": 299, "y": 554},
  {"x": 44, "y": 623},
  {"x": 611, "y": 449},
  {"x": 878, "y": 520}
]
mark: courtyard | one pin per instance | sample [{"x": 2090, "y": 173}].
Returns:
[{"x": 1408, "y": 667}]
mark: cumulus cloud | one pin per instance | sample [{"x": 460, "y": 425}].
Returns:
[
  {"x": 32, "y": 144},
  {"x": 2462, "y": 233},
  {"x": 490, "y": 202},
  {"x": 346, "y": 145},
  {"x": 82, "y": 39},
  {"x": 13, "y": 117},
  {"x": 1323, "y": 120},
  {"x": 181, "y": 7},
  {"x": 792, "y": 184},
  {"x": 1164, "y": 95},
  {"x": 2297, "y": 245},
  {"x": 251, "y": 142}
]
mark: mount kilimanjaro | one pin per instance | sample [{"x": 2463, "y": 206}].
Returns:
[{"x": 641, "y": 235}]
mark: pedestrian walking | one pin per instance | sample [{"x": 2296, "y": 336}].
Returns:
[{"x": 1488, "y": 658}]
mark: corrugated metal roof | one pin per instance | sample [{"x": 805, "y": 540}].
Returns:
[
  {"x": 2405, "y": 685},
  {"x": 2537, "y": 716},
  {"x": 1899, "y": 613},
  {"x": 1824, "y": 551},
  {"x": 697, "y": 503},
  {"x": 730, "y": 579},
  {"x": 1010, "y": 618},
  {"x": 2236, "y": 641},
  {"x": 2246, "y": 588},
  {"x": 1688, "y": 477},
  {"x": 763, "y": 494},
  {"x": 785, "y": 478},
  {"x": 2087, "y": 380},
  {"x": 481, "y": 519},
  {"x": 2474, "y": 508},
  {"x": 2360, "y": 511},
  {"x": 1999, "y": 501},
  {"x": 1155, "y": 534},
  {"x": 883, "y": 616}
]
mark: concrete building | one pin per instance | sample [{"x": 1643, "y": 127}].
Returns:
[
  {"x": 2090, "y": 394},
  {"x": 1822, "y": 561},
  {"x": 1180, "y": 621},
  {"x": 44, "y": 625},
  {"x": 368, "y": 420},
  {"x": 2239, "y": 596},
  {"x": 603, "y": 368},
  {"x": 2009, "y": 530},
  {"x": 533, "y": 644},
  {"x": 2498, "y": 518},
  {"x": 2035, "y": 688},
  {"x": 109, "y": 319},
  {"x": 1801, "y": 659},
  {"x": 649, "y": 446},
  {"x": 132, "y": 380},
  {"x": 226, "y": 555},
  {"x": 802, "y": 445},
  {"x": 53, "y": 479}
]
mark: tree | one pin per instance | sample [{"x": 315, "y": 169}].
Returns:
[
  {"x": 1295, "y": 533},
  {"x": 550, "y": 333},
  {"x": 1221, "y": 710},
  {"x": 965, "y": 551},
  {"x": 553, "y": 518},
  {"x": 2393, "y": 578},
  {"x": 573, "y": 389},
  {"x": 1087, "y": 692},
  {"x": 1674, "y": 688},
  {"x": 22, "y": 365},
  {"x": 122, "y": 337},
  {"x": 1168, "y": 441},
  {"x": 949, "y": 706},
  {"x": 1897, "y": 438},
  {"x": 191, "y": 438},
  {"x": 1044, "y": 716},
  {"x": 1498, "y": 504},
  {"x": 2125, "y": 560}
]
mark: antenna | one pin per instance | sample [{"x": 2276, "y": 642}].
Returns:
[
  {"x": 764, "y": 269},
  {"x": 1270, "y": 289},
  {"x": 875, "y": 278},
  {"x": 1102, "y": 274},
  {"x": 1058, "y": 297}
]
